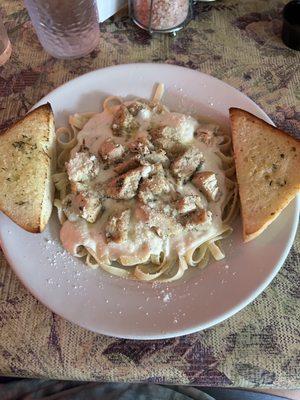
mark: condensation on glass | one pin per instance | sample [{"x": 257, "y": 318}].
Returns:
[
  {"x": 66, "y": 29},
  {"x": 161, "y": 15},
  {"x": 5, "y": 46}
]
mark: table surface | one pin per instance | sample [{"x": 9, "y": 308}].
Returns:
[{"x": 238, "y": 42}]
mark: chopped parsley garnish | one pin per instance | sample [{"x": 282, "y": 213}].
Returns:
[{"x": 19, "y": 145}]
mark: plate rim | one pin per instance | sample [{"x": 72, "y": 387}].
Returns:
[
  {"x": 142, "y": 64},
  {"x": 212, "y": 322}
]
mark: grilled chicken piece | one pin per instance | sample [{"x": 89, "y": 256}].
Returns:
[
  {"x": 207, "y": 183},
  {"x": 155, "y": 157},
  {"x": 141, "y": 146},
  {"x": 185, "y": 165},
  {"x": 158, "y": 220},
  {"x": 195, "y": 220},
  {"x": 125, "y": 186},
  {"x": 89, "y": 205},
  {"x": 86, "y": 205},
  {"x": 136, "y": 107},
  {"x": 83, "y": 167},
  {"x": 158, "y": 157},
  {"x": 188, "y": 203},
  {"x": 131, "y": 163},
  {"x": 111, "y": 151},
  {"x": 118, "y": 227},
  {"x": 164, "y": 137},
  {"x": 154, "y": 186},
  {"x": 123, "y": 122}
]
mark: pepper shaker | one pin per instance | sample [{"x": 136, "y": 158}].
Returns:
[{"x": 163, "y": 16}]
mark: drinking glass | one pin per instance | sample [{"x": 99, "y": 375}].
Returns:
[{"x": 65, "y": 28}]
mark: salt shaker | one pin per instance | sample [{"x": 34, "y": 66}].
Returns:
[
  {"x": 65, "y": 28},
  {"x": 164, "y": 16}
]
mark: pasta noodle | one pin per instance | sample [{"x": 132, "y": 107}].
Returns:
[
  {"x": 66, "y": 138},
  {"x": 61, "y": 215},
  {"x": 61, "y": 181},
  {"x": 158, "y": 93},
  {"x": 77, "y": 121},
  {"x": 110, "y": 103}
]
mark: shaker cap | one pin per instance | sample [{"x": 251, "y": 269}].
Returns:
[{"x": 291, "y": 25}]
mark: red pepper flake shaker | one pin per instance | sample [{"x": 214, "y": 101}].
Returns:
[{"x": 164, "y": 16}]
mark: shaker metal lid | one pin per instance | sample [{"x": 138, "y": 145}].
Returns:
[{"x": 291, "y": 25}]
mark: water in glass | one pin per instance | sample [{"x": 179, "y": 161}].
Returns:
[{"x": 66, "y": 29}]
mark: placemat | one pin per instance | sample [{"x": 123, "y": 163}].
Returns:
[{"x": 238, "y": 42}]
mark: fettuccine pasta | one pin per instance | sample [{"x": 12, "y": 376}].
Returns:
[{"x": 143, "y": 192}]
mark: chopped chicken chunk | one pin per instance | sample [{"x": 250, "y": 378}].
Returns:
[
  {"x": 155, "y": 157},
  {"x": 207, "y": 183},
  {"x": 141, "y": 146},
  {"x": 85, "y": 204},
  {"x": 129, "y": 164},
  {"x": 158, "y": 157},
  {"x": 123, "y": 122},
  {"x": 185, "y": 165},
  {"x": 111, "y": 151},
  {"x": 164, "y": 137},
  {"x": 188, "y": 203},
  {"x": 196, "y": 219},
  {"x": 161, "y": 223},
  {"x": 83, "y": 167},
  {"x": 156, "y": 185},
  {"x": 118, "y": 227},
  {"x": 125, "y": 186},
  {"x": 89, "y": 205},
  {"x": 177, "y": 134},
  {"x": 137, "y": 106}
]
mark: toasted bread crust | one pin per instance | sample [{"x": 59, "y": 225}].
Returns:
[
  {"x": 267, "y": 164},
  {"x": 238, "y": 112},
  {"x": 45, "y": 110},
  {"x": 27, "y": 153}
]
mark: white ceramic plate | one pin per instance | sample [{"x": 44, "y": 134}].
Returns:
[{"x": 128, "y": 309}]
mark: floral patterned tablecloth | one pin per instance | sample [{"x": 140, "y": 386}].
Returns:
[{"x": 239, "y": 42}]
